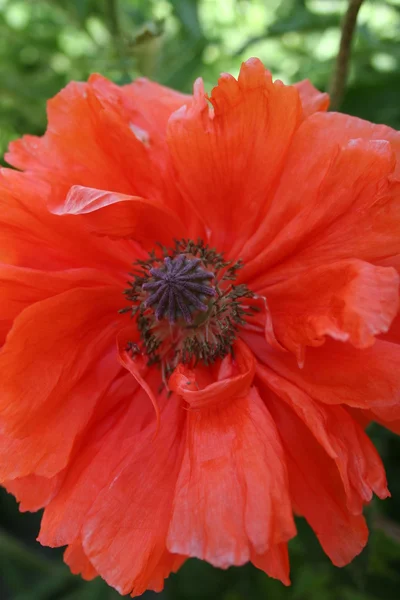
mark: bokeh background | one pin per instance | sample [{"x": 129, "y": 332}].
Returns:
[{"x": 45, "y": 44}]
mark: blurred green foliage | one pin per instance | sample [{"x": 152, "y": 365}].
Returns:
[{"x": 45, "y": 44}]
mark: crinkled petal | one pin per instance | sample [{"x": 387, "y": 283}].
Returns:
[
  {"x": 231, "y": 497},
  {"x": 312, "y": 100},
  {"x": 220, "y": 157},
  {"x": 31, "y": 236},
  {"x": 121, "y": 216},
  {"x": 338, "y": 373},
  {"x": 148, "y": 106},
  {"x": 88, "y": 142},
  {"x": 347, "y": 126},
  {"x": 233, "y": 380},
  {"x": 33, "y": 492},
  {"x": 122, "y": 412},
  {"x": 137, "y": 366},
  {"x": 20, "y": 287},
  {"x": 342, "y": 438},
  {"x": 342, "y": 186},
  {"x": 274, "y": 562},
  {"x": 351, "y": 301},
  {"x": 316, "y": 489},
  {"x": 78, "y": 562},
  {"x": 125, "y": 531},
  {"x": 50, "y": 385},
  {"x": 168, "y": 563}
]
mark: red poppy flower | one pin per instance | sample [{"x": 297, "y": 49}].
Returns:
[{"x": 199, "y": 299}]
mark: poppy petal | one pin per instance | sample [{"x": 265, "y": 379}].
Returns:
[
  {"x": 219, "y": 156},
  {"x": 88, "y": 142},
  {"x": 231, "y": 496},
  {"x": 34, "y": 237},
  {"x": 33, "y": 492},
  {"x": 134, "y": 511},
  {"x": 338, "y": 373},
  {"x": 233, "y": 380},
  {"x": 342, "y": 438},
  {"x": 316, "y": 489},
  {"x": 168, "y": 563},
  {"x": 274, "y": 562},
  {"x": 78, "y": 562},
  {"x": 349, "y": 300},
  {"x": 344, "y": 126},
  {"x": 121, "y": 216},
  {"x": 309, "y": 224},
  {"x": 122, "y": 412},
  {"x": 151, "y": 104},
  {"x": 312, "y": 100},
  {"x": 20, "y": 287},
  {"x": 51, "y": 384},
  {"x": 148, "y": 106}
]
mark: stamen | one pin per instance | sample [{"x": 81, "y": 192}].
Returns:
[{"x": 183, "y": 311}]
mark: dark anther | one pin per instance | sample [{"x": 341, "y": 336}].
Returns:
[{"x": 179, "y": 287}]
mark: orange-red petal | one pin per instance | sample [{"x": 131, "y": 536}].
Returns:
[
  {"x": 51, "y": 384},
  {"x": 346, "y": 126},
  {"x": 88, "y": 142},
  {"x": 231, "y": 497},
  {"x": 274, "y": 562},
  {"x": 34, "y": 237},
  {"x": 20, "y": 287},
  {"x": 220, "y": 157},
  {"x": 125, "y": 532},
  {"x": 122, "y": 412},
  {"x": 121, "y": 216},
  {"x": 342, "y": 438},
  {"x": 338, "y": 373},
  {"x": 316, "y": 489},
  {"x": 233, "y": 380},
  {"x": 351, "y": 301},
  {"x": 312, "y": 100},
  {"x": 313, "y": 222},
  {"x": 33, "y": 492},
  {"x": 78, "y": 562},
  {"x": 147, "y": 107}
]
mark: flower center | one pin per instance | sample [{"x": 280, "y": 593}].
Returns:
[
  {"x": 185, "y": 305},
  {"x": 178, "y": 288}
]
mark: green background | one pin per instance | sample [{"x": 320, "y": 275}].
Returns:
[{"x": 45, "y": 44}]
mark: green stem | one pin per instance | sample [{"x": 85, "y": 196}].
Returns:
[
  {"x": 112, "y": 11},
  {"x": 113, "y": 17},
  {"x": 340, "y": 73}
]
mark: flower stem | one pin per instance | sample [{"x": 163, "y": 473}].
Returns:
[
  {"x": 113, "y": 18},
  {"x": 115, "y": 29},
  {"x": 340, "y": 73}
]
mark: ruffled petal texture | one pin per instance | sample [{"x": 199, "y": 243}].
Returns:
[
  {"x": 144, "y": 480},
  {"x": 120, "y": 216},
  {"x": 69, "y": 339},
  {"x": 312, "y": 100},
  {"x": 231, "y": 497},
  {"x": 139, "y": 461},
  {"x": 367, "y": 379},
  {"x": 231, "y": 501},
  {"x": 313, "y": 222},
  {"x": 342, "y": 534},
  {"x": 89, "y": 141},
  {"x": 250, "y": 116},
  {"x": 353, "y": 301}
]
